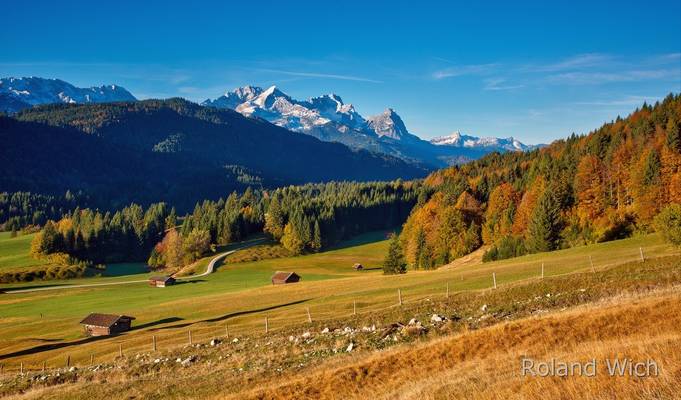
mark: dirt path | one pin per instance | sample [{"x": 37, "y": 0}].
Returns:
[
  {"x": 209, "y": 270},
  {"x": 473, "y": 258}
]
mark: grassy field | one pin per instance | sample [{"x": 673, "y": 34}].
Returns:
[
  {"x": 240, "y": 296},
  {"x": 14, "y": 252},
  {"x": 626, "y": 310}
]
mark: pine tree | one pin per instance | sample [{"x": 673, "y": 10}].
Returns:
[
  {"x": 543, "y": 231},
  {"x": 651, "y": 169},
  {"x": 317, "y": 238},
  {"x": 420, "y": 249},
  {"x": 394, "y": 261},
  {"x": 673, "y": 135}
]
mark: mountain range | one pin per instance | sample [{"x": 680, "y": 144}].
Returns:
[
  {"x": 328, "y": 118},
  {"x": 17, "y": 94}
]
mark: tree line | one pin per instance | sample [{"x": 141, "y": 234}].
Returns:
[
  {"x": 21, "y": 209},
  {"x": 303, "y": 219}
]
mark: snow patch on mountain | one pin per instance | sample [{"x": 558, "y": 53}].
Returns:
[
  {"x": 329, "y": 118},
  {"x": 390, "y": 125},
  {"x": 456, "y": 139},
  {"x": 34, "y": 91}
]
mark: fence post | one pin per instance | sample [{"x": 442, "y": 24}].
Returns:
[
  {"x": 447, "y": 289},
  {"x": 92, "y": 359},
  {"x": 309, "y": 317},
  {"x": 640, "y": 250},
  {"x": 68, "y": 361},
  {"x": 190, "y": 337},
  {"x": 354, "y": 307},
  {"x": 592, "y": 264},
  {"x": 226, "y": 332},
  {"x": 44, "y": 366},
  {"x": 542, "y": 270},
  {"x": 267, "y": 327},
  {"x": 399, "y": 296},
  {"x": 494, "y": 279},
  {"x": 21, "y": 368},
  {"x": 153, "y": 342}
]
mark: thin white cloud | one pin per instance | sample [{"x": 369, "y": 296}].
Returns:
[
  {"x": 593, "y": 78},
  {"x": 500, "y": 84},
  {"x": 578, "y": 62},
  {"x": 462, "y": 70},
  {"x": 321, "y": 75}
]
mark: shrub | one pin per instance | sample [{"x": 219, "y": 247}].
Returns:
[
  {"x": 668, "y": 223},
  {"x": 506, "y": 247}
]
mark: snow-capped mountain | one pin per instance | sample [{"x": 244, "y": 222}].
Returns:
[
  {"x": 328, "y": 118},
  {"x": 23, "y": 92},
  {"x": 456, "y": 139},
  {"x": 390, "y": 125},
  {"x": 303, "y": 116}
]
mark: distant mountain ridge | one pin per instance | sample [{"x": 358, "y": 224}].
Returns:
[
  {"x": 328, "y": 118},
  {"x": 20, "y": 93},
  {"x": 456, "y": 139}
]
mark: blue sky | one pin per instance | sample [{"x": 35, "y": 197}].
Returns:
[{"x": 533, "y": 70}]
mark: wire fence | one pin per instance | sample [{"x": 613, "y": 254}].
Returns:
[{"x": 174, "y": 337}]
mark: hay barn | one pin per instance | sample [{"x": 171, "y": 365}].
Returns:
[
  {"x": 283, "y": 277},
  {"x": 106, "y": 324}
]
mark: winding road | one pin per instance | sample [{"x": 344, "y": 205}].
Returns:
[{"x": 209, "y": 270}]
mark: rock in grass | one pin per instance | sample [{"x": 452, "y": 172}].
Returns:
[{"x": 437, "y": 318}]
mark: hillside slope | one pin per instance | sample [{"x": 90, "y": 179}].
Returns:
[
  {"x": 484, "y": 364},
  {"x": 171, "y": 150},
  {"x": 606, "y": 185}
]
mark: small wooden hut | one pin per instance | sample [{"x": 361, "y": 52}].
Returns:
[
  {"x": 283, "y": 277},
  {"x": 161, "y": 281},
  {"x": 97, "y": 324}
]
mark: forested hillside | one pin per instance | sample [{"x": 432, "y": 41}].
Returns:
[
  {"x": 602, "y": 186},
  {"x": 169, "y": 150}
]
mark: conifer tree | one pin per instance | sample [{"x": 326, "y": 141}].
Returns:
[
  {"x": 317, "y": 238},
  {"x": 543, "y": 231},
  {"x": 674, "y": 135},
  {"x": 274, "y": 220},
  {"x": 394, "y": 261},
  {"x": 651, "y": 169}
]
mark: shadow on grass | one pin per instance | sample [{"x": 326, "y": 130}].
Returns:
[
  {"x": 364, "y": 238},
  {"x": 182, "y": 282},
  {"x": 91, "y": 339},
  {"x": 232, "y": 315},
  {"x": 54, "y": 346},
  {"x": 159, "y": 322}
]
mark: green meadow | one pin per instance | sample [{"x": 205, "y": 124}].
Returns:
[{"x": 240, "y": 295}]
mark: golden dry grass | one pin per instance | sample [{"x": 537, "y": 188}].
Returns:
[{"x": 485, "y": 364}]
